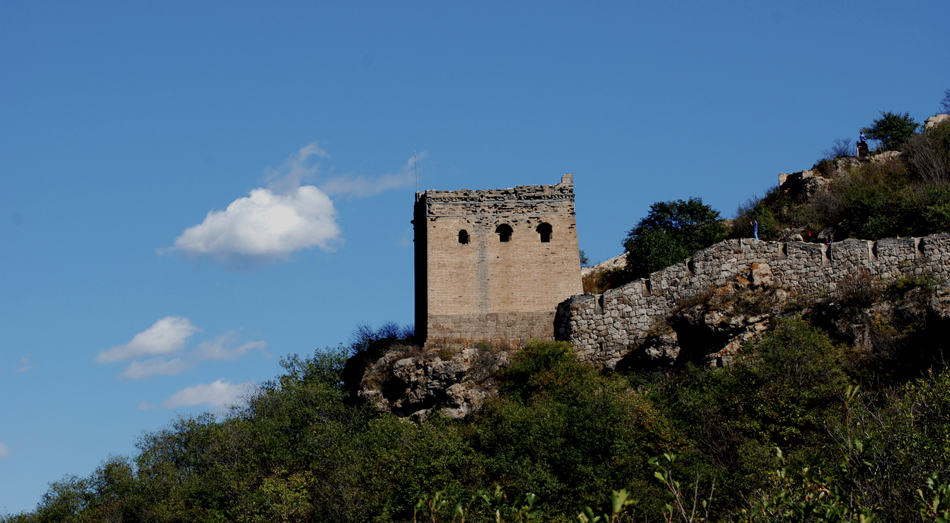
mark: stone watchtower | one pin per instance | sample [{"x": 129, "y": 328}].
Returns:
[{"x": 493, "y": 265}]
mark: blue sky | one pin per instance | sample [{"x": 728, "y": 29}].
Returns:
[{"x": 192, "y": 190}]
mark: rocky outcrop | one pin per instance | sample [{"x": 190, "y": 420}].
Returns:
[
  {"x": 712, "y": 328},
  {"x": 936, "y": 120},
  {"x": 804, "y": 185},
  {"x": 940, "y": 302},
  {"x": 886, "y": 156},
  {"x": 898, "y": 323},
  {"x": 411, "y": 383},
  {"x": 617, "y": 262}
]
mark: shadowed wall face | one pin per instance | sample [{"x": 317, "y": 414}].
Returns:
[{"x": 493, "y": 265}]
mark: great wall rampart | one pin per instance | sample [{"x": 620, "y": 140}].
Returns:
[
  {"x": 604, "y": 327},
  {"x": 502, "y": 266}
]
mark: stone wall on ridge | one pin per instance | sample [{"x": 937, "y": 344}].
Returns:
[{"x": 604, "y": 327}]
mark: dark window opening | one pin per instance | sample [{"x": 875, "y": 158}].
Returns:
[
  {"x": 545, "y": 230},
  {"x": 504, "y": 232},
  {"x": 463, "y": 237}
]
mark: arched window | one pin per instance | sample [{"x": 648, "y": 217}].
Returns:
[
  {"x": 504, "y": 232},
  {"x": 544, "y": 230},
  {"x": 463, "y": 237}
]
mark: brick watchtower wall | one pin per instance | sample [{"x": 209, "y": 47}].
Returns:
[{"x": 493, "y": 265}]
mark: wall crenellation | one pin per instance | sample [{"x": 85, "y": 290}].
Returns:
[{"x": 604, "y": 327}]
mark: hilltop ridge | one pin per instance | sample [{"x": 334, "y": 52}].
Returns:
[
  {"x": 758, "y": 380},
  {"x": 704, "y": 309}
]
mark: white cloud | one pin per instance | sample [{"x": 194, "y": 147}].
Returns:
[
  {"x": 166, "y": 336},
  {"x": 265, "y": 225},
  {"x": 222, "y": 348},
  {"x": 285, "y": 216},
  {"x": 169, "y": 336},
  {"x": 219, "y": 394},
  {"x": 24, "y": 364},
  {"x": 4, "y": 451},
  {"x": 365, "y": 186},
  {"x": 271, "y": 222},
  {"x": 155, "y": 367}
]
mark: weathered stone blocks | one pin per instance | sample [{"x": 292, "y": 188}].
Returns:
[
  {"x": 494, "y": 264},
  {"x": 603, "y": 326}
]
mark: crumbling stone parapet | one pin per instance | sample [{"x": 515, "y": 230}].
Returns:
[{"x": 594, "y": 322}]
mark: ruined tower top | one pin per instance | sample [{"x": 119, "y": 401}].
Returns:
[{"x": 493, "y": 264}]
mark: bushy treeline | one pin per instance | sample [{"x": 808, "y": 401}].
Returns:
[{"x": 797, "y": 430}]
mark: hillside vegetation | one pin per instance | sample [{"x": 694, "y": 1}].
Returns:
[
  {"x": 800, "y": 428},
  {"x": 838, "y": 411},
  {"x": 903, "y": 189},
  {"x": 896, "y": 196}
]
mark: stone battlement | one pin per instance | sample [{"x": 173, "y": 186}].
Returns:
[{"x": 604, "y": 327}]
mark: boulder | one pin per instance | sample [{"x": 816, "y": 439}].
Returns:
[
  {"x": 760, "y": 275},
  {"x": 412, "y": 383},
  {"x": 936, "y": 120}
]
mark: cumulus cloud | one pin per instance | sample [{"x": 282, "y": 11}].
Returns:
[
  {"x": 368, "y": 186},
  {"x": 265, "y": 225},
  {"x": 4, "y": 451},
  {"x": 219, "y": 394},
  {"x": 284, "y": 216},
  {"x": 169, "y": 336},
  {"x": 166, "y": 336},
  {"x": 271, "y": 222}
]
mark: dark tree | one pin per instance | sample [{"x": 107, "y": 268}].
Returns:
[
  {"x": 892, "y": 130},
  {"x": 670, "y": 233},
  {"x": 945, "y": 103}
]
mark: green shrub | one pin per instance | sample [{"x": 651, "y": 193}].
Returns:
[
  {"x": 776, "y": 211},
  {"x": 907, "y": 431},
  {"x": 892, "y": 130},
  {"x": 671, "y": 233},
  {"x": 567, "y": 433},
  {"x": 794, "y": 374}
]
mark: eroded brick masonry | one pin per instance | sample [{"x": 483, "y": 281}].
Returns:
[{"x": 492, "y": 265}]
